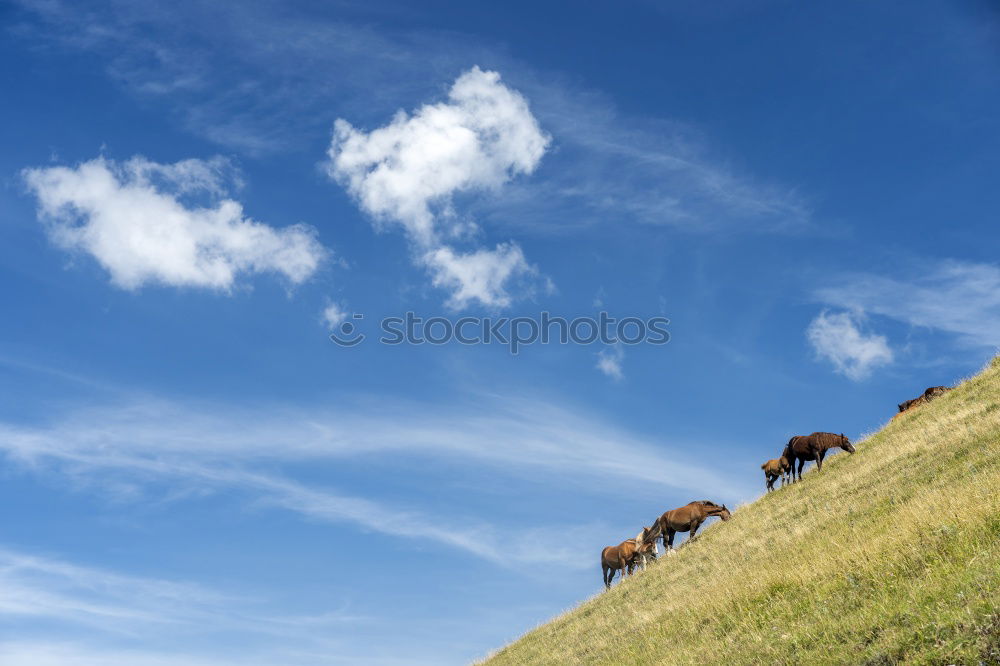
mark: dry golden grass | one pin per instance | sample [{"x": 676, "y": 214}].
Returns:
[{"x": 888, "y": 556}]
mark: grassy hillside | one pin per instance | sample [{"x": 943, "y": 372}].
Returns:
[{"x": 890, "y": 555}]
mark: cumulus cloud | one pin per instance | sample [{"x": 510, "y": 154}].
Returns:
[
  {"x": 838, "y": 338},
  {"x": 408, "y": 172},
  {"x": 169, "y": 224},
  {"x": 481, "y": 275},
  {"x": 609, "y": 361},
  {"x": 334, "y": 315}
]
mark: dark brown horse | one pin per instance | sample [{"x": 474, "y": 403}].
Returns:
[
  {"x": 813, "y": 447},
  {"x": 687, "y": 518},
  {"x": 928, "y": 395},
  {"x": 626, "y": 555},
  {"x": 935, "y": 392},
  {"x": 774, "y": 468}
]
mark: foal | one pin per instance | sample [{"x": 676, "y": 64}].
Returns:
[
  {"x": 645, "y": 554},
  {"x": 773, "y": 469}
]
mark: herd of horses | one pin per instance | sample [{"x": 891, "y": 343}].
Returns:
[{"x": 635, "y": 553}]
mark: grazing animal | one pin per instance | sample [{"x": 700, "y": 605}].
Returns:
[
  {"x": 687, "y": 518},
  {"x": 645, "y": 555},
  {"x": 927, "y": 396},
  {"x": 623, "y": 556},
  {"x": 813, "y": 447},
  {"x": 910, "y": 404},
  {"x": 774, "y": 468}
]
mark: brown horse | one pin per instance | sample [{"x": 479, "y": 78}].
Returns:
[
  {"x": 645, "y": 554},
  {"x": 624, "y": 556},
  {"x": 773, "y": 469},
  {"x": 687, "y": 518},
  {"x": 928, "y": 395},
  {"x": 813, "y": 447},
  {"x": 935, "y": 392}
]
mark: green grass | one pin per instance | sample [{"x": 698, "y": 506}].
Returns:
[{"x": 888, "y": 556}]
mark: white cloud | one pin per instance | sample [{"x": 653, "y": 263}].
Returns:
[
  {"x": 239, "y": 80},
  {"x": 482, "y": 275},
  {"x": 961, "y": 298},
  {"x": 334, "y": 315},
  {"x": 609, "y": 361},
  {"x": 55, "y": 600},
  {"x": 611, "y": 166},
  {"x": 135, "y": 220},
  {"x": 42, "y": 587},
  {"x": 837, "y": 337},
  {"x": 408, "y": 172},
  {"x": 147, "y": 446}
]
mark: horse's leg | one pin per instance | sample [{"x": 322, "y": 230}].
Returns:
[
  {"x": 694, "y": 530},
  {"x": 802, "y": 463},
  {"x": 819, "y": 460},
  {"x": 604, "y": 574},
  {"x": 668, "y": 539}
]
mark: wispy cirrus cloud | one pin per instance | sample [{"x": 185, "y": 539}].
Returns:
[
  {"x": 957, "y": 297},
  {"x": 65, "y": 612},
  {"x": 41, "y": 587},
  {"x": 608, "y": 165},
  {"x": 134, "y": 219},
  {"x": 52, "y": 651},
  {"x": 251, "y": 77},
  {"x": 144, "y": 446}
]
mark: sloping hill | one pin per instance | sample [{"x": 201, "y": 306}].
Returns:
[{"x": 890, "y": 555}]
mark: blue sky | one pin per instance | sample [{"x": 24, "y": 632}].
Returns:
[{"x": 194, "y": 197}]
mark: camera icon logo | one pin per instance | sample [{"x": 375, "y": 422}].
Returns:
[{"x": 347, "y": 335}]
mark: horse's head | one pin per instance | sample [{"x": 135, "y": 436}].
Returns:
[
  {"x": 724, "y": 513},
  {"x": 846, "y": 444},
  {"x": 645, "y": 543},
  {"x": 902, "y": 406}
]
